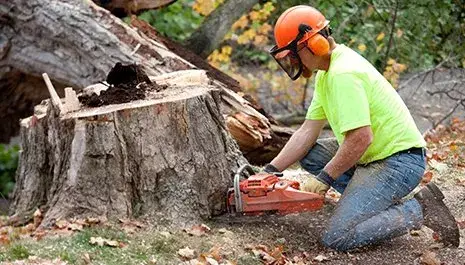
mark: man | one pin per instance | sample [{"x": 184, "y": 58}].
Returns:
[{"x": 377, "y": 157}]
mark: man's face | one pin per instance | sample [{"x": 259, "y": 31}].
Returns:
[{"x": 309, "y": 61}]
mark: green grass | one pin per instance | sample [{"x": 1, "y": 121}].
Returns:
[
  {"x": 18, "y": 251},
  {"x": 139, "y": 249},
  {"x": 249, "y": 260}
]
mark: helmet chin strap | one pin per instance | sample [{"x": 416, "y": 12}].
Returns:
[{"x": 306, "y": 73}]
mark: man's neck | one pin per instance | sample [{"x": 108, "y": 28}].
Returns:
[{"x": 326, "y": 60}]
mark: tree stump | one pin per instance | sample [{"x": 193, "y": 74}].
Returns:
[{"x": 167, "y": 157}]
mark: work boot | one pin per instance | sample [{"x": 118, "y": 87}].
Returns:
[{"x": 437, "y": 216}]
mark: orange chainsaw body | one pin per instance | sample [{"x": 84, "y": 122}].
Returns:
[{"x": 265, "y": 192}]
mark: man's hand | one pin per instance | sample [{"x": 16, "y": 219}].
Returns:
[
  {"x": 319, "y": 184},
  {"x": 269, "y": 168},
  {"x": 315, "y": 186}
]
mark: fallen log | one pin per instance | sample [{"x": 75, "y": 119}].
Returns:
[{"x": 122, "y": 8}]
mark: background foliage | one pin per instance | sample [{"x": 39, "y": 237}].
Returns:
[
  {"x": 392, "y": 34},
  {"x": 8, "y": 165}
]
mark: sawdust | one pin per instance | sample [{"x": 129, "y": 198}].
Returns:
[{"x": 127, "y": 83}]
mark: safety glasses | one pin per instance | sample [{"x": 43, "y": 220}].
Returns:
[{"x": 288, "y": 56}]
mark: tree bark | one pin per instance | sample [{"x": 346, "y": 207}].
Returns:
[
  {"x": 122, "y": 8},
  {"x": 168, "y": 157},
  {"x": 212, "y": 31}
]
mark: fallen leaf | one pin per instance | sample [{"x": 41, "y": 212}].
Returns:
[
  {"x": 60, "y": 224},
  {"x": 87, "y": 259},
  {"x": 215, "y": 253},
  {"x": 37, "y": 218},
  {"x": 268, "y": 258},
  {"x": 436, "y": 246},
  {"x": 75, "y": 227},
  {"x": 39, "y": 234},
  {"x": 429, "y": 258},
  {"x": 297, "y": 259},
  {"x": 461, "y": 224},
  {"x": 61, "y": 232},
  {"x": 320, "y": 258},
  {"x": 223, "y": 231},
  {"x": 439, "y": 166},
  {"x": 262, "y": 247},
  {"x": 93, "y": 220},
  {"x": 277, "y": 253},
  {"x": 460, "y": 182},
  {"x": 29, "y": 228},
  {"x": 4, "y": 239},
  {"x": 228, "y": 262},
  {"x": 211, "y": 261},
  {"x": 112, "y": 243},
  {"x": 81, "y": 222},
  {"x": 186, "y": 253},
  {"x": 99, "y": 241},
  {"x": 134, "y": 223},
  {"x": 427, "y": 177},
  {"x": 258, "y": 252},
  {"x": 152, "y": 261},
  {"x": 198, "y": 230}
]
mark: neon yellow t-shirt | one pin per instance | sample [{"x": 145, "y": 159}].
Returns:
[{"x": 353, "y": 94}]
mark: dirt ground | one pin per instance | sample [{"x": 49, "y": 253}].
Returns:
[
  {"x": 292, "y": 239},
  {"x": 270, "y": 239},
  {"x": 300, "y": 233}
]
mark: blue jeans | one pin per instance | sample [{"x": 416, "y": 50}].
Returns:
[{"x": 371, "y": 208}]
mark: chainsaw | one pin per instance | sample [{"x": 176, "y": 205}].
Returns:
[{"x": 260, "y": 193}]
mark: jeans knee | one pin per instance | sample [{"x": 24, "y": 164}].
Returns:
[{"x": 311, "y": 166}]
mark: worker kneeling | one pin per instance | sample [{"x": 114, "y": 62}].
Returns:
[{"x": 377, "y": 156}]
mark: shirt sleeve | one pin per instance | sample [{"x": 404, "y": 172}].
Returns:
[
  {"x": 315, "y": 111},
  {"x": 351, "y": 107}
]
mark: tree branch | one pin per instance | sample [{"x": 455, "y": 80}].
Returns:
[
  {"x": 393, "y": 25},
  {"x": 459, "y": 102}
]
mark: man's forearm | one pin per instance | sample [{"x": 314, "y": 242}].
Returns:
[
  {"x": 351, "y": 150},
  {"x": 298, "y": 145}
]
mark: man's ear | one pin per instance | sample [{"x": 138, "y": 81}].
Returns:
[{"x": 332, "y": 42}]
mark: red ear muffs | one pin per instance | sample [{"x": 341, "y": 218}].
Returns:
[{"x": 318, "y": 44}]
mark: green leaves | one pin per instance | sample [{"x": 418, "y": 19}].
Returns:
[
  {"x": 177, "y": 21},
  {"x": 8, "y": 165}
]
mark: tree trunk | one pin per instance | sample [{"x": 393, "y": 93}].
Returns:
[
  {"x": 212, "y": 31},
  {"x": 167, "y": 157}
]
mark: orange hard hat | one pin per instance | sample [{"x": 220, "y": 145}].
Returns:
[{"x": 286, "y": 28}]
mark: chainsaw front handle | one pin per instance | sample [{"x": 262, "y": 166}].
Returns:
[{"x": 237, "y": 191}]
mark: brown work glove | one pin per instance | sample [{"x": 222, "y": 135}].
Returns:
[{"x": 319, "y": 184}]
